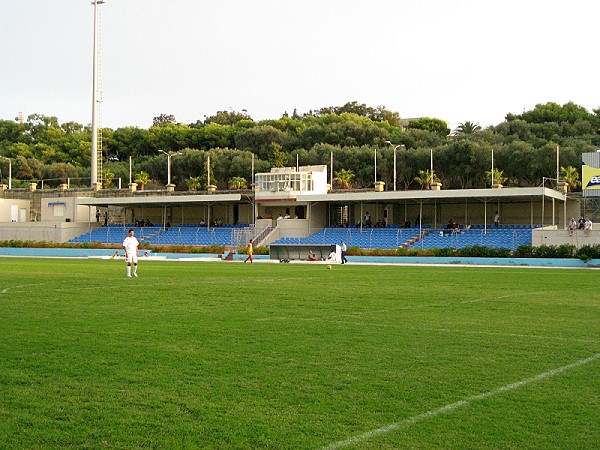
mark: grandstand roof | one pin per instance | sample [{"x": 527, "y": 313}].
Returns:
[
  {"x": 516, "y": 195},
  {"x": 448, "y": 195},
  {"x": 158, "y": 200}
]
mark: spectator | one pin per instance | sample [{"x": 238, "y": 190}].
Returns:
[
  {"x": 587, "y": 226},
  {"x": 572, "y": 226},
  {"x": 496, "y": 219}
]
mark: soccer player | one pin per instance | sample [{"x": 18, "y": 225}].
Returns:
[
  {"x": 131, "y": 245},
  {"x": 249, "y": 247}
]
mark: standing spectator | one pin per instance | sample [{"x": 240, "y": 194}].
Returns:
[
  {"x": 131, "y": 245},
  {"x": 572, "y": 226},
  {"x": 588, "y": 226},
  {"x": 97, "y": 215},
  {"x": 249, "y": 251},
  {"x": 343, "y": 249},
  {"x": 106, "y": 218},
  {"x": 497, "y": 219}
]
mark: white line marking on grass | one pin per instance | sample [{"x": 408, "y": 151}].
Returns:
[{"x": 454, "y": 406}]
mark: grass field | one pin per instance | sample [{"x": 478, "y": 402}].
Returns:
[{"x": 286, "y": 356}]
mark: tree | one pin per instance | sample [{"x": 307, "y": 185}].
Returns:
[
  {"x": 194, "y": 183},
  {"x": 163, "y": 119},
  {"x": 277, "y": 157},
  {"x": 425, "y": 178},
  {"x": 497, "y": 178},
  {"x": 238, "y": 183},
  {"x": 143, "y": 178},
  {"x": 344, "y": 178},
  {"x": 227, "y": 117},
  {"x": 467, "y": 128},
  {"x": 107, "y": 177},
  {"x": 430, "y": 124},
  {"x": 571, "y": 175}
]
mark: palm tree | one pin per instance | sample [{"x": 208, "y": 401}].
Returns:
[
  {"x": 425, "y": 179},
  {"x": 238, "y": 183},
  {"x": 467, "y": 128},
  {"x": 344, "y": 178},
  {"x": 142, "y": 178},
  {"x": 571, "y": 175},
  {"x": 498, "y": 177},
  {"x": 194, "y": 183},
  {"x": 107, "y": 177}
]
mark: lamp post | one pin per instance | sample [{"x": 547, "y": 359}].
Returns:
[
  {"x": 376, "y": 165},
  {"x": 169, "y": 155},
  {"x": 9, "y": 171},
  {"x": 395, "y": 148}
]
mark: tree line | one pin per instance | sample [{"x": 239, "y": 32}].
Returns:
[{"x": 524, "y": 148}]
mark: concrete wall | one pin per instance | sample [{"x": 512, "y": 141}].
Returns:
[
  {"x": 63, "y": 209},
  {"x": 553, "y": 235},
  {"x": 13, "y": 210},
  {"x": 38, "y": 231}
]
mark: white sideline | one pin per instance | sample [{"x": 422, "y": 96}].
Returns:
[{"x": 453, "y": 406}]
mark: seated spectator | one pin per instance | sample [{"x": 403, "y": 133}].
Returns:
[
  {"x": 468, "y": 227},
  {"x": 587, "y": 226},
  {"x": 572, "y": 226},
  {"x": 332, "y": 256},
  {"x": 311, "y": 256}
]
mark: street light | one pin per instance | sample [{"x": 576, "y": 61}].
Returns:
[
  {"x": 395, "y": 148},
  {"x": 9, "y": 171},
  {"x": 169, "y": 155}
]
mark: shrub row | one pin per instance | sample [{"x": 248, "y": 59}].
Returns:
[{"x": 585, "y": 253}]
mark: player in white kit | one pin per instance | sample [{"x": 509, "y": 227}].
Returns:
[{"x": 131, "y": 245}]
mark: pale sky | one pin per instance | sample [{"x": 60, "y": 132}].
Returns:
[{"x": 456, "y": 60}]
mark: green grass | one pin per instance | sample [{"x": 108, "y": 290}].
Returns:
[{"x": 227, "y": 355}]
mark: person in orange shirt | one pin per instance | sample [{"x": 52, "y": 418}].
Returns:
[{"x": 249, "y": 251}]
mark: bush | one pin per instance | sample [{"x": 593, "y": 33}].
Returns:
[
  {"x": 588, "y": 252},
  {"x": 523, "y": 251}
]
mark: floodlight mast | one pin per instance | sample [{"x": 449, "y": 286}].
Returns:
[{"x": 94, "y": 155}]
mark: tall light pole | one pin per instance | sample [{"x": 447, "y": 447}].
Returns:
[
  {"x": 9, "y": 171},
  {"x": 375, "y": 165},
  {"x": 169, "y": 155},
  {"x": 94, "y": 156},
  {"x": 395, "y": 148}
]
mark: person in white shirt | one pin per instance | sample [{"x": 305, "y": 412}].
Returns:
[
  {"x": 332, "y": 256},
  {"x": 343, "y": 249},
  {"x": 572, "y": 226},
  {"x": 587, "y": 227},
  {"x": 131, "y": 245}
]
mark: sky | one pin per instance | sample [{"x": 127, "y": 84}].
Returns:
[{"x": 456, "y": 60}]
